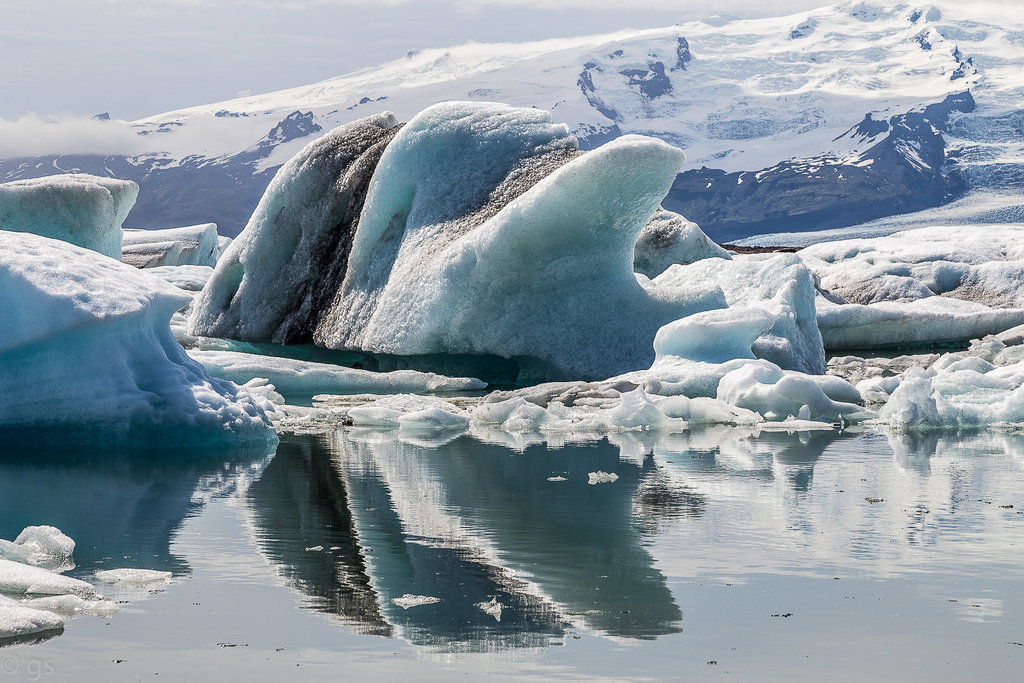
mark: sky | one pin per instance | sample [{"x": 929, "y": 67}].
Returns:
[{"x": 136, "y": 58}]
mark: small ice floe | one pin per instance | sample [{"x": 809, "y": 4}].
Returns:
[
  {"x": 409, "y": 600},
  {"x": 600, "y": 477},
  {"x": 40, "y": 546},
  {"x": 22, "y": 579},
  {"x": 315, "y": 549},
  {"x": 73, "y": 606},
  {"x": 557, "y": 478},
  {"x": 143, "y": 578},
  {"x": 16, "y": 620},
  {"x": 492, "y": 608}
]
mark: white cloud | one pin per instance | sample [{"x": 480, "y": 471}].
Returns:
[{"x": 33, "y": 135}]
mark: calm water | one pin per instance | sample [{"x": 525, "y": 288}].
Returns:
[{"x": 714, "y": 555}]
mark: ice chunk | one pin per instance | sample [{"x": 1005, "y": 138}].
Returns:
[
  {"x": 781, "y": 286},
  {"x": 388, "y": 411},
  {"x": 714, "y": 336},
  {"x": 193, "y": 245},
  {"x": 143, "y": 578},
  {"x": 17, "y": 620},
  {"x": 40, "y": 546},
  {"x": 636, "y": 411},
  {"x": 81, "y": 209},
  {"x": 600, "y": 477},
  {"x": 86, "y": 347},
  {"x": 73, "y": 606},
  {"x": 22, "y": 579},
  {"x": 409, "y": 600},
  {"x": 491, "y": 608},
  {"x": 669, "y": 238},
  {"x": 433, "y": 419},
  {"x": 444, "y": 263},
  {"x": 277, "y": 277},
  {"x": 296, "y": 377}
]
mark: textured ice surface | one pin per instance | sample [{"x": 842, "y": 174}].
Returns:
[
  {"x": 781, "y": 287},
  {"x": 981, "y": 263},
  {"x": 928, "y": 285},
  {"x": 278, "y": 276},
  {"x": 19, "y": 620},
  {"x": 920, "y": 321},
  {"x": 189, "y": 278},
  {"x": 41, "y": 546},
  {"x": 669, "y": 238},
  {"x": 81, "y": 209},
  {"x": 470, "y": 243},
  {"x": 296, "y": 377},
  {"x": 86, "y": 345},
  {"x": 600, "y": 477},
  {"x": 134, "y": 577},
  {"x": 22, "y": 579},
  {"x": 194, "y": 245}
]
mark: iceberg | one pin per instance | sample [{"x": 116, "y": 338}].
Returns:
[
  {"x": 22, "y": 579},
  {"x": 520, "y": 246},
  {"x": 86, "y": 351},
  {"x": 194, "y": 245},
  {"x": 40, "y": 546},
  {"x": 84, "y": 210},
  {"x": 475, "y": 229},
  {"x": 16, "y": 620},
  {"x": 781, "y": 287},
  {"x": 923, "y": 286},
  {"x": 277, "y": 277}
]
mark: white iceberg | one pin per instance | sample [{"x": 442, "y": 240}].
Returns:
[
  {"x": 144, "y": 578},
  {"x": 18, "y": 620},
  {"x": 22, "y": 579},
  {"x": 85, "y": 347},
  {"x": 193, "y": 245},
  {"x": 781, "y": 287},
  {"x": 81, "y": 209},
  {"x": 40, "y": 546},
  {"x": 305, "y": 378}
]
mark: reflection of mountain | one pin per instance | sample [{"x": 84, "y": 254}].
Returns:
[
  {"x": 119, "y": 507},
  {"x": 300, "y": 503}
]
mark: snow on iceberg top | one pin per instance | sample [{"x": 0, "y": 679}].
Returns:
[{"x": 50, "y": 287}]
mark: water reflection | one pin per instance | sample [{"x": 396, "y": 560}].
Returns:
[{"x": 120, "y": 506}]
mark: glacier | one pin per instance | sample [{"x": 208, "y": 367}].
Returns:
[
  {"x": 86, "y": 351},
  {"x": 81, "y": 209}
]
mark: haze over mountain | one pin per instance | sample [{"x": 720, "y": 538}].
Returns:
[{"x": 816, "y": 120}]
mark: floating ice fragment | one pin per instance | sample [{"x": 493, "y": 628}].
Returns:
[
  {"x": 22, "y": 579},
  {"x": 409, "y": 600},
  {"x": 600, "y": 477},
  {"x": 492, "y": 608},
  {"x": 40, "y": 546},
  {"x": 315, "y": 549},
  {"x": 17, "y": 620},
  {"x": 72, "y": 605},
  {"x": 134, "y": 577},
  {"x": 557, "y": 479}
]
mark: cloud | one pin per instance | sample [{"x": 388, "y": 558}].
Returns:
[{"x": 33, "y": 135}]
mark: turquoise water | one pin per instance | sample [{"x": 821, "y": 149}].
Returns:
[{"x": 714, "y": 555}]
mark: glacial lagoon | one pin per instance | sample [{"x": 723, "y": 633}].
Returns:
[{"x": 369, "y": 554}]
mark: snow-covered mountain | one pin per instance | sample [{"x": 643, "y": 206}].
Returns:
[{"x": 815, "y": 120}]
